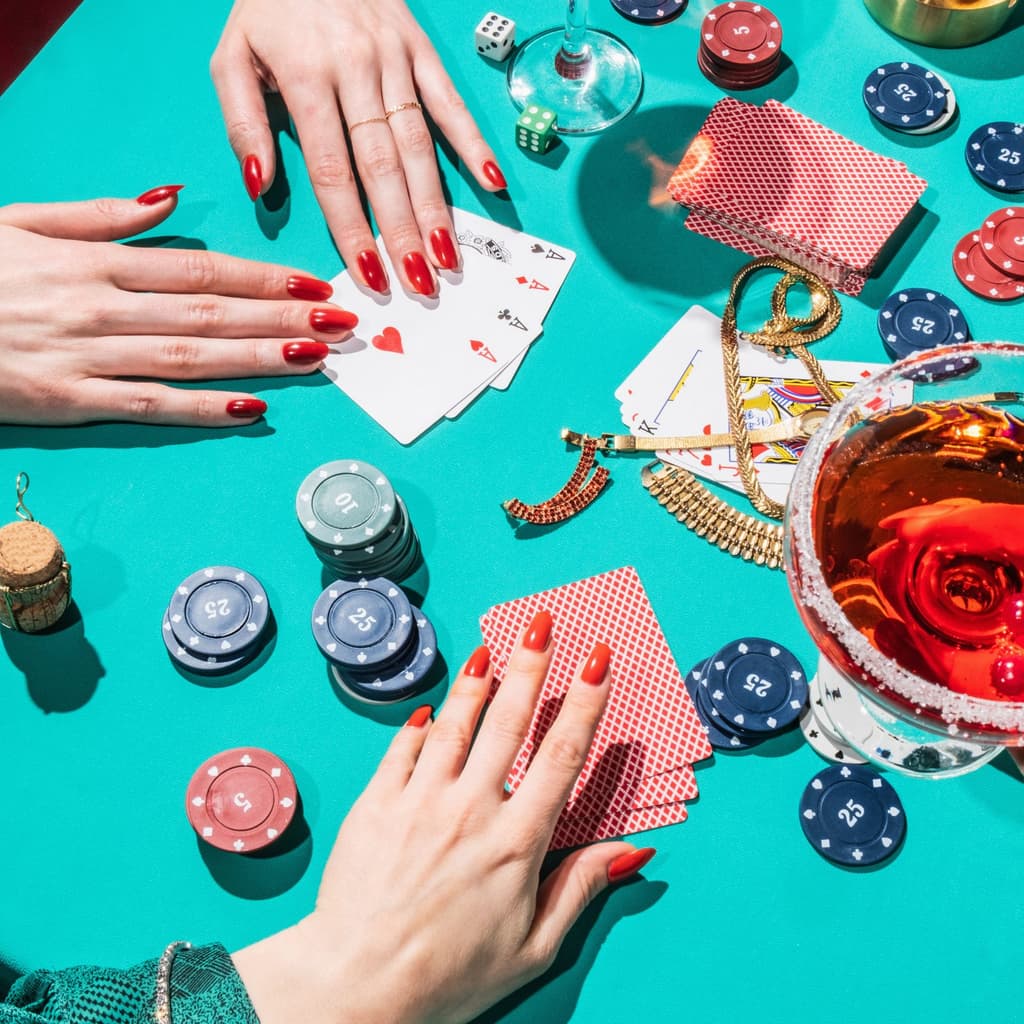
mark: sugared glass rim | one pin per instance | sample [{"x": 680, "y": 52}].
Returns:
[{"x": 810, "y": 588}]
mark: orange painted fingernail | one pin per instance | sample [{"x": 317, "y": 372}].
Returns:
[
  {"x": 538, "y": 633},
  {"x": 252, "y": 175},
  {"x": 420, "y": 717},
  {"x": 596, "y": 667},
  {"x": 478, "y": 664},
  {"x": 158, "y": 195},
  {"x": 629, "y": 863}
]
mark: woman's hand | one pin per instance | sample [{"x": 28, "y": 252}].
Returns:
[
  {"x": 86, "y": 326},
  {"x": 431, "y": 906},
  {"x": 344, "y": 68}
]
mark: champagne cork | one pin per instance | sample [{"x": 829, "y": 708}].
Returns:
[{"x": 35, "y": 578}]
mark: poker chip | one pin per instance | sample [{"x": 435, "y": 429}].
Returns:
[
  {"x": 756, "y": 685},
  {"x": 995, "y": 155},
  {"x": 241, "y": 800},
  {"x": 364, "y": 625},
  {"x": 819, "y": 732},
  {"x": 345, "y": 504},
  {"x": 402, "y": 680},
  {"x": 905, "y": 96},
  {"x": 740, "y": 45},
  {"x": 647, "y": 13},
  {"x": 978, "y": 274},
  {"x": 201, "y": 665},
  {"x": 942, "y": 367},
  {"x": 913, "y": 319},
  {"x": 219, "y": 612},
  {"x": 852, "y": 816},
  {"x": 947, "y": 117},
  {"x": 719, "y": 736},
  {"x": 1002, "y": 240},
  {"x": 356, "y": 523}
]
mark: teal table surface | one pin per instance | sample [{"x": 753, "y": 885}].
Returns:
[{"x": 737, "y": 917}]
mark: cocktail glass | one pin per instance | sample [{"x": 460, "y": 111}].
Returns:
[
  {"x": 589, "y": 78},
  {"x": 905, "y": 556}
]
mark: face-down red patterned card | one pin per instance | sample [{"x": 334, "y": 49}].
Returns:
[{"x": 650, "y": 727}]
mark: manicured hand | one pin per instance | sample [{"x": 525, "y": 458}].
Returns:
[
  {"x": 340, "y": 66},
  {"x": 87, "y": 326},
  {"x": 431, "y": 906}
]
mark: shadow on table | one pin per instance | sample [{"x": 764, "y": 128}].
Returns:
[
  {"x": 563, "y": 982},
  {"x": 633, "y": 222},
  {"x": 993, "y": 59},
  {"x": 62, "y": 669}
]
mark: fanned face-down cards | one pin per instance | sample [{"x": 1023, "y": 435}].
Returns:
[{"x": 638, "y": 774}]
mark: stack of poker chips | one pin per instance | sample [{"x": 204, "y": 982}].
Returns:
[
  {"x": 241, "y": 800},
  {"x": 35, "y": 578},
  {"x": 740, "y": 45},
  {"x": 909, "y": 98},
  {"x": 990, "y": 261},
  {"x": 356, "y": 524},
  {"x": 218, "y": 620},
  {"x": 650, "y": 12},
  {"x": 746, "y": 692},
  {"x": 995, "y": 155},
  {"x": 380, "y": 647}
]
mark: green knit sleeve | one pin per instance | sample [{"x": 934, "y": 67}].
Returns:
[{"x": 205, "y": 989}]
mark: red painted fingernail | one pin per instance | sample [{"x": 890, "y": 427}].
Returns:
[
  {"x": 252, "y": 175},
  {"x": 246, "y": 408},
  {"x": 420, "y": 716},
  {"x": 418, "y": 272},
  {"x": 158, "y": 195},
  {"x": 538, "y": 633},
  {"x": 374, "y": 274},
  {"x": 596, "y": 667},
  {"x": 444, "y": 248},
  {"x": 304, "y": 351},
  {"x": 332, "y": 321},
  {"x": 310, "y": 288},
  {"x": 478, "y": 664},
  {"x": 629, "y": 863},
  {"x": 492, "y": 172}
]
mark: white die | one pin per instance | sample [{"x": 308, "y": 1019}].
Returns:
[{"x": 495, "y": 36}]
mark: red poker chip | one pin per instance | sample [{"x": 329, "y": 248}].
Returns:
[
  {"x": 741, "y": 33},
  {"x": 241, "y": 800},
  {"x": 1002, "y": 240},
  {"x": 977, "y": 273}
]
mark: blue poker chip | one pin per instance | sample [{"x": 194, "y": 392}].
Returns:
[
  {"x": 198, "y": 664},
  {"x": 942, "y": 367},
  {"x": 219, "y": 612},
  {"x": 364, "y": 624},
  {"x": 995, "y": 155},
  {"x": 401, "y": 681},
  {"x": 904, "y": 96},
  {"x": 852, "y": 816},
  {"x": 913, "y": 319},
  {"x": 719, "y": 737},
  {"x": 756, "y": 685},
  {"x": 646, "y": 12}
]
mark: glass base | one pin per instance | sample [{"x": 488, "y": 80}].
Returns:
[
  {"x": 587, "y": 94},
  {"x": 889, "y": 742}
]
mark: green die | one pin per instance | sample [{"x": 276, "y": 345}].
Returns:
[{"x": 535, "y": 129}]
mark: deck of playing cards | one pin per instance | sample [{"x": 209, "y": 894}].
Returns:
[
  {"x": 770, "y": 181},
  {"x": 413, "y": 360},
  {"x": 639, "y": 774}
]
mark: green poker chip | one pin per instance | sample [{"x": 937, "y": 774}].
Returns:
[{"x": 345, "y": 505}]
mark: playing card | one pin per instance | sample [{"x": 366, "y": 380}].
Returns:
[
  {"x": 650, "y": 725},
  {"x": 411, "y": 358},
  {"x": 666, "y": 788},
  {"x": 530, "y": 270}
]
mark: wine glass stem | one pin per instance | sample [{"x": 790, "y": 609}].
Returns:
[{"x": 574, "y": 54}]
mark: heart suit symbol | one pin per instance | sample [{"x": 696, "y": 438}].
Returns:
[{"x": 389, "y": 340}]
